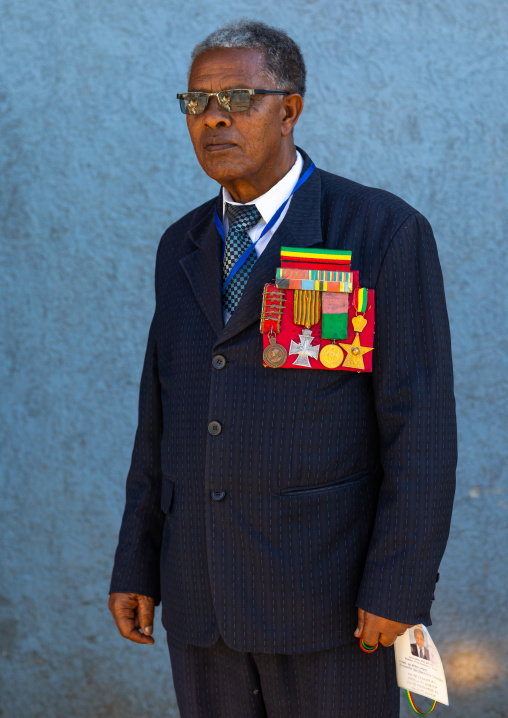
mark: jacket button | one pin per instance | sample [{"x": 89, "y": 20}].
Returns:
[
  {"x": 217, "y": 495},
  {"x": 219, "y": 362},
  {"x": 214, "y": 428}
]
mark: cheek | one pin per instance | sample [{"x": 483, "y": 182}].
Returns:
[
  {"x": 194, "y": 134},
  {"x": 260, "y": 135}
]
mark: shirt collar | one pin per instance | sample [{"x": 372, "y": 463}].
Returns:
[{"x": 270, "y": 202}]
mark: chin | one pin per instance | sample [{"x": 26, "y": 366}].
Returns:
[{"x": 224, "y": 170}]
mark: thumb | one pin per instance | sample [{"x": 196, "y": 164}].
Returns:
[
  {"x": 145, "y": 614},
  {"x": 361, "y": 622}
]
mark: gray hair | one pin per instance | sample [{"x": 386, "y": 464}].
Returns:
[{"x": 284, "y": 62}]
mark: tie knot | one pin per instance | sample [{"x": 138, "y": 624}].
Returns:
[{"x": 242, "y": 216}]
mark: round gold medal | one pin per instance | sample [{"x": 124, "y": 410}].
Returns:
[{"x": 331, "y": 356}]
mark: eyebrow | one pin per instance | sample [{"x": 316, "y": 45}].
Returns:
[{"x": 226, "y": 89}]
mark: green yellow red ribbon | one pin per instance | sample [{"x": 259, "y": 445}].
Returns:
[
  {"x": 360, "y": 299},
  {"x": 411, "y": 703},
  {"x": 314, "y": 255}
]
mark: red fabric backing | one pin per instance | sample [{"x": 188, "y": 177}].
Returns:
[{"x": 290, "y": 331}]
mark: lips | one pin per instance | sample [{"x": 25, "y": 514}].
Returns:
[{"x": 218, "y": 145}]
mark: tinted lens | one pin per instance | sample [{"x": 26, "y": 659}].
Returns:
[
  {"x": 193, "y": 103},
  {"x": 238, "y": 101}
]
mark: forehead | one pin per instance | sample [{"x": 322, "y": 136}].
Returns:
[{"x": 228, "y": 68}]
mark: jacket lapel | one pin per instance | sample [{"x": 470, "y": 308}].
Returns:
[
  {"x": 301, "y": 227},
  {"x": 203, "y": 267}
]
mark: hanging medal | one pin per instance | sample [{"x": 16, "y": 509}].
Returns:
[
  {"x": 331, "y": 356},
  {"x": 333, "y": 326},
  {"x": 307, "y": 312},
  {"x": 273, "y": 306},
  {"x": 355, "y": 351}
]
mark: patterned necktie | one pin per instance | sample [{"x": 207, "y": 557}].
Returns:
[{"x": 241, "y": 218}]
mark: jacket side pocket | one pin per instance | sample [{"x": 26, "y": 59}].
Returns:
[
  {"x": 320, "y": 488},
  {"x": 167, "y": 492}
]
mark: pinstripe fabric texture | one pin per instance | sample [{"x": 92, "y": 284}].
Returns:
[
  {"x": 338, "y": 486},
  {"x": 219, "y": 682}
]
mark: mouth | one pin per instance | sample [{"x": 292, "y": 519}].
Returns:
[{"x": 218, "y": 146}]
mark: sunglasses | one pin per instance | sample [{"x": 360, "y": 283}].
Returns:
[{"x": 195, "y": 103}]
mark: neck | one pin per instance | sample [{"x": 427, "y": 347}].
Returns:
[{"x": 246, "y": 189}]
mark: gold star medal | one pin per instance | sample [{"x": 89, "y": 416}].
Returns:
[
  {"x": 355, "y": 351},
  {"x": 354, "y": 354}
]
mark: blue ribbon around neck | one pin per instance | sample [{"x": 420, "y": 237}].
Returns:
[{"x": 241, "y": 261}]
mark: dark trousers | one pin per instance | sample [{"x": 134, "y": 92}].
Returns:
[{"x": 344, "y": 682}]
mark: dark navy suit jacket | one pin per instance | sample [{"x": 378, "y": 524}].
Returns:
[{"x": 338, "y": 485}]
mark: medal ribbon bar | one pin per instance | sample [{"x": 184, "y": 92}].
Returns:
[{"x": 314, "y": 279}]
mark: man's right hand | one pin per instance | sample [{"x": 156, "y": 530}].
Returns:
[{"x": 131, "y": 613}]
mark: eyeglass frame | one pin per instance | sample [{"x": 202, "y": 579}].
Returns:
[{"x": 183, "y": 95}]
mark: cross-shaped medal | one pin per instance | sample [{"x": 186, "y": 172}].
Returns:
[{"x": 304, "y": 349}]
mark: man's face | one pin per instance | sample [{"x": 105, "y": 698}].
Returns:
[
  {"x": 420, "y": 641},
  {"x": 238, "y": 145}
]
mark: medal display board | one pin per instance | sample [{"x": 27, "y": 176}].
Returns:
[{"x": 293, "y": 320}]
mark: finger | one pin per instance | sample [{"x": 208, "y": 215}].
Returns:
[
  {"x": 388, "y": 638},
  {"x": 126, "y": 622},
  {"x": 139, "y": 637},
  {"x": 122, "y": 607},
  {"x": 145, "y": 614},
  {"x": 370, "y": 633},
  {"x": 370, "y": 637},
  {"x": 360, "y": 623}
]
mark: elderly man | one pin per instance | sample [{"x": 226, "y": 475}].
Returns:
[{"x": 280, "y": 514}]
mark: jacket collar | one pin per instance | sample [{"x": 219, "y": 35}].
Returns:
[
  {"x": 301, "y": 227},
  {"x": 203, "y": 267}
]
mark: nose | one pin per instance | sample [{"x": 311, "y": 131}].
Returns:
[{"x": 215, "y": 116}]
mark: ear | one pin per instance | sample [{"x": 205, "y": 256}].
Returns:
[{"x": 292, "y": 106}]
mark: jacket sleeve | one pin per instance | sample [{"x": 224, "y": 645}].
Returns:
[
  {"x": 415, "y": 406},
  {"x": 136, "y": 565}
]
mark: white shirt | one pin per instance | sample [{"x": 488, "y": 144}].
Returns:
[{"x": 266, "y": 205}]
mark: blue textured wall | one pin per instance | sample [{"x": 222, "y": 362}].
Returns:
[{"x": 95, "y": 163}]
